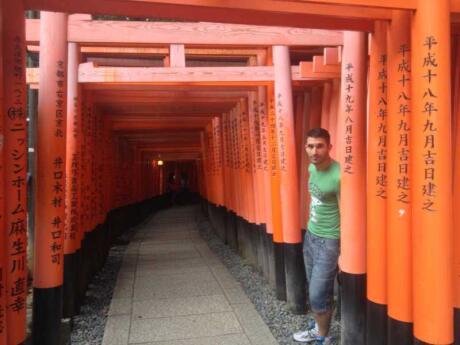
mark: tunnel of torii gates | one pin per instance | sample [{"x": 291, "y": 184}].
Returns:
[{"x": 230, "y": 105}]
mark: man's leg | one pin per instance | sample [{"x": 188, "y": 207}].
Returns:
[
  {"x": 322, "y": 282},
  {"x": 323, "y": 320}
]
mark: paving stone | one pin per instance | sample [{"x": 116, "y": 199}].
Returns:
[
  {"x": 237, "y": 296},
  {"x": 120, "y": 306},
  {"x": 184, "y": 327},
  {"x": 180, "y": 306},
  {"x": 253, "y": 325},
  {"x": 117, "y": 330},
  {"x": 181, "y": 289},
  {"x": 124, "y": 288},
  {"x": 230, "y": 339}
]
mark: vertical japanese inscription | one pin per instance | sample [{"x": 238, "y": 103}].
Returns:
[
  {"x": 15, "y": 164},
  {"x": 273, "y": 139},
  {"x": 264, "y": 136},
  {"x": 58, "y": 177},
  {"x": 430, "y": 109},
  {"x": 381, "y": 128},
  {"x": 349, "y": 109},
  {"x": 404, "y": 102},
  {"x": 281, "y": 132},
  {"x": 257, "y": 140}
]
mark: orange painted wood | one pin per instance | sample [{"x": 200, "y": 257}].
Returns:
[
  {"x": 456, "y": 191},
  {"x": 298, "y": 125},
  {"x": 226, "y": 162},
  {"x": 265, "y": 155},
  {"x": 52, "y": 106},
  {"x": 377, "y": 167},
  {"x": 304, "y": 162},
  {"x": 352, "y": 143},
  {"x": 216, "y": 75},
  {"x": 73, "y": 189},
  {"x": 399, "y": 230},
  {"x": 202, "y": 33},
  {"x": 32, "y": 76},
  {"x": 218, "y": 154},
  {"x": 274, "y": 168},
  {"x": 248, "y": 158},
  {"x": 331, "y": 56},
  {"x": 432, "y": 173},
  {"x": 204, "y": 75},
  {"x": 333, "y": 113},
  {"x": 325, "y": 105},
  {"x": 286, "y": 146},
  {"x": 256, "y": 161},
  {"x": 14, "y": 149},
  {"x": 319, "y": 65},
  {"x": 393, "y": 4},
  {"x": 3, "y": 234},
  {"x": 307, "y": 71},
  {"x": 176, "y": 55}
]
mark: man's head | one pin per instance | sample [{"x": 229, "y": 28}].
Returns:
[{"x": 318, "y": 146}]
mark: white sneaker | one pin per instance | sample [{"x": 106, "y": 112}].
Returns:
[{"x": 307, "y": 336}]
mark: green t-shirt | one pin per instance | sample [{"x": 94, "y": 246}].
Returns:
[{"x": 324, "y": 188}]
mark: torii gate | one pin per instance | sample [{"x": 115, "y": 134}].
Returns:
[{"x": 409, "y": 140}]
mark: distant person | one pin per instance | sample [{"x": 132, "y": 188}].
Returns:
[
  {"x": 322, "y": 240},
  {"x": 172, "y": 188}
]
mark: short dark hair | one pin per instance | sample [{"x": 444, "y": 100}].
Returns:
[{"x": 319, "y": 133}]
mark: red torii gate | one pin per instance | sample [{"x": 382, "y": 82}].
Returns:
[{"x": 430, "y": 162}]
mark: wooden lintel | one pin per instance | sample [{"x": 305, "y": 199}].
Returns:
[
  {"x": 306, "y": 71},
  {"x": 320, "y": 67},
  {"x": 260, "y": 12},
  {"x": 250, "y": 75},
  {"x": 203, "y": 33}
]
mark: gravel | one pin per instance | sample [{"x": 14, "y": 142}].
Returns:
[
  {"x": 88, "y": 327},
  {"x": 281, "y": 321}
]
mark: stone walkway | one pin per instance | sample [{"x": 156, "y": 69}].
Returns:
[{"x": 172, "y": 290}]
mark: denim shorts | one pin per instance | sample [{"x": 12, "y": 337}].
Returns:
[{"x": 321, "y": 259}]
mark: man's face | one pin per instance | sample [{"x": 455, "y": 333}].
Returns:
[{"x": 317, "y": 150}]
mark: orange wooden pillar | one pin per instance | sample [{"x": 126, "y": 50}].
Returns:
[
  {"x": 51, "y": 160},
  {"x": 352, "y": 137},
  {"x": 205, "y": 169},
  {"x": 217, "y": 139},
  {"x": 303, "y": 181},
  {"x": 278, "y": 247},
  {"x": 258, "y": 179},
  {"x": 456, "y": 201},
  {"x": 226, "y": 163},
  {"x": 432, "y": 173},
  {"x": 267, "y": 179},
  {"x": 399, "y": 231},
  {"x": 72, "y": 190},
  {"x": 14, "y": 129},
  {"x": 377, "y": 188},
  {"x": 295, "y": 272},
  {"x": 3, "y": 235}
]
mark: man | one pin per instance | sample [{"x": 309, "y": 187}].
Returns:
[{"x": 322, "y": 240}]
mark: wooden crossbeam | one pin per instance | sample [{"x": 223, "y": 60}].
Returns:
[
  {"x": 250, "y": 75},
  {"x": 332, "y": 56},
  {"x": 319, "y": 66},
  {"x": 129, "y": 32},
  {"x": 255, "y": 12}
]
